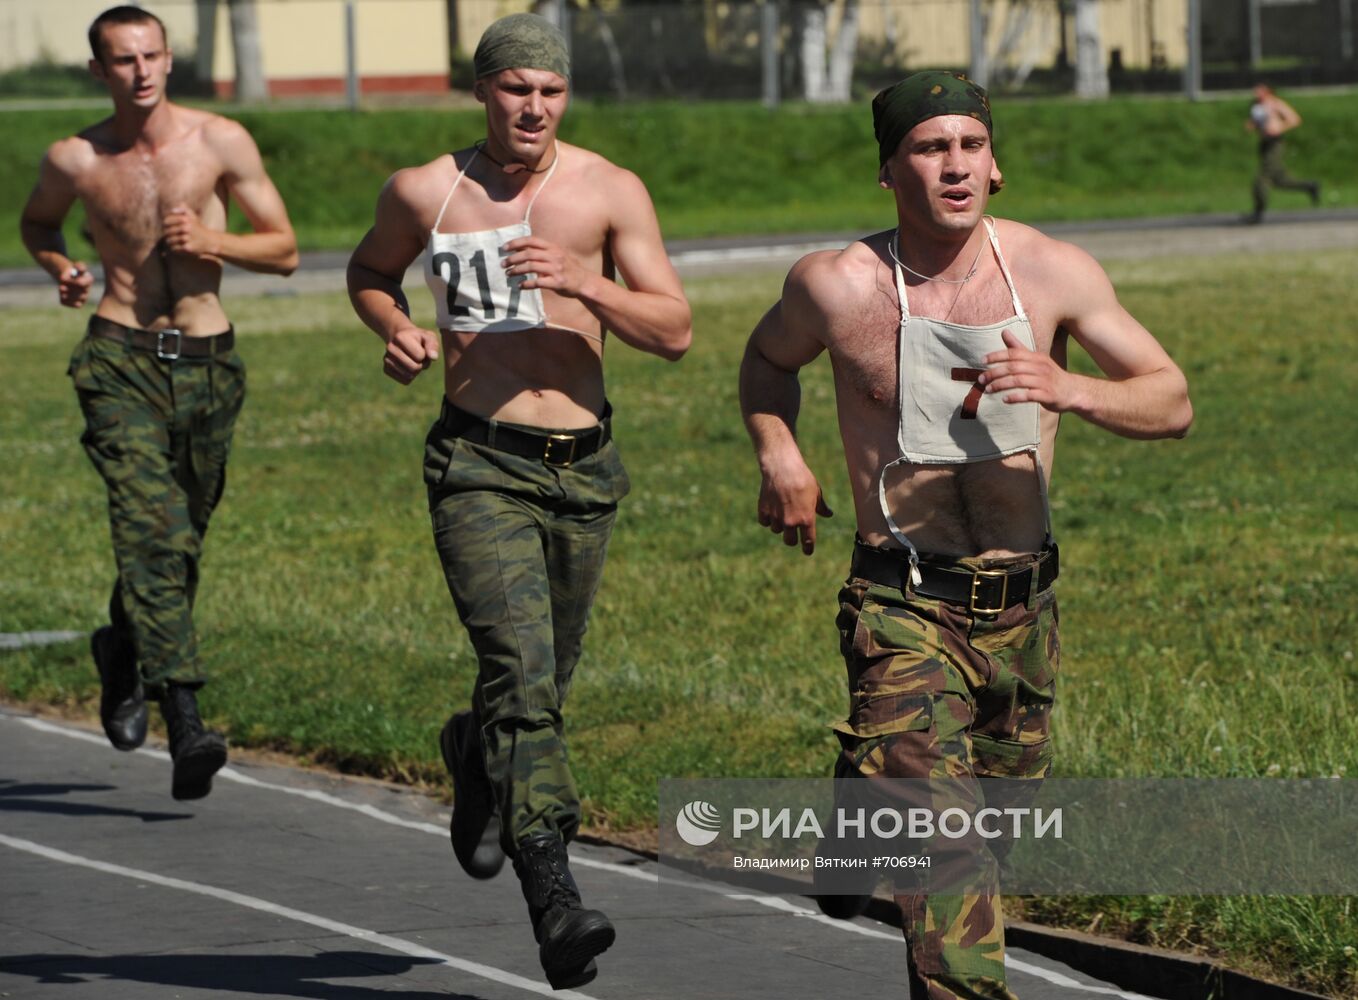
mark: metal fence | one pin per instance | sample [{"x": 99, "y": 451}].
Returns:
[{"x": 774, "y": 51}]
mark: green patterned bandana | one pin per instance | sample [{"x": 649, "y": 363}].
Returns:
[
  {"x": 522, "y": 41},
  {"x": 917, "y": 98}
]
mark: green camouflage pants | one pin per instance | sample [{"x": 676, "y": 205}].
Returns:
[
  {"x": 159, "y": 433},
  {"x": 522, "y": 545},
  {"x": 937, "y": 692}
]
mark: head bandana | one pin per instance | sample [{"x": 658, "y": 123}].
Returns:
[
  {"x": 522, "y": 41},
  {"x": 917, "y": 98}
]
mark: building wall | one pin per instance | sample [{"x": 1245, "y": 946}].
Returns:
[
  {"x": 936, "y": 33},
  {"x": 402, "y": 44},
  {"x": 54, "y": 30}
]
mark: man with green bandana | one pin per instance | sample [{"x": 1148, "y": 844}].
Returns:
[
  {"x": 948, "y": 337},
  {"x": 519, "y": 237}
]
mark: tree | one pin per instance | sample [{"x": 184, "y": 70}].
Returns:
[
  {"x": 250, "y": 83},
  {"x": 1091, "y": 74},
  {"x": 827, "y": 67}
]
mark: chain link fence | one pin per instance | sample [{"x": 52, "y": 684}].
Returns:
[{"x": 779, "y": 50}]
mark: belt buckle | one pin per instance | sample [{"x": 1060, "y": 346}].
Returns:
[
  {"x": 163, "y": 354},
  {"x": 988, "y": 574},
  {"x": 550, "y": 449}
]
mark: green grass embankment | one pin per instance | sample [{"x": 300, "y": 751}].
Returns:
[{"x": 735, "y": 169}]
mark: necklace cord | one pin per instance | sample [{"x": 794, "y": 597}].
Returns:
[
  {"x": 892, "y": 248},
  {"x": 512, "y": 168}
]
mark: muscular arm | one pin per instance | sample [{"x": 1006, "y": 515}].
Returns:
[
  {"x": 40, "y": 227},
  {"x": 651, "y": 312},
  {"x": 783, "y": 342},
  {"x": 272, "y": 246},
  {"x": 1144, "y": 394},
  {"x": 374, "y": 275}
]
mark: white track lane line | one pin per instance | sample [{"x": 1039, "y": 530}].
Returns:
[
  {"x": 731, "y": 255},
  {"x": 324, "y": 923},
  {"x": 23, "y": 640},
  {"x": 773, "y": 902}
]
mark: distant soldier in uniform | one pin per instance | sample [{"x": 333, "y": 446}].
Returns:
[
  {"x": 520, "y": 235},
  {"x": 158, "y": 376},
  {"x": 949, "y": 359},
  {"x": 1272, "y": 117}
]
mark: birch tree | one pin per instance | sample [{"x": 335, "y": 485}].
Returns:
[
  {"x": 245, "y": 45},
  {"x": 827, "y": 64}
]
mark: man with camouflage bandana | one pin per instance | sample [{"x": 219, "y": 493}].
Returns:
[
  {"x": 520, "y": 236},
  {"x": 158, "y": 377},
  {"x": 949, "y": 359}
]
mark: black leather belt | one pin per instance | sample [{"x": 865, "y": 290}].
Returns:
[
  {"x": 168, "y": 345},
  {"x": 982, "y": 592},
  {"x": 555, "y": 448}
]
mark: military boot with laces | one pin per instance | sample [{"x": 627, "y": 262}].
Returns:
[
  {"x": 568, "y": 935},
  {"x": 197, "y": 753}
]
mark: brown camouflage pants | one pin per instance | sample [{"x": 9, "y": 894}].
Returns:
[
  {"x": 159, "y": 433},
  {"x": 522, "y": 545},
  {"x": 936, "y": 692}
]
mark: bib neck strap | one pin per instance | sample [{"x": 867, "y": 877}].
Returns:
[
  {"x": 476, "y": 151},
  {"x": 999, "y": 258},
  {"x": 449, "y": 196},
  {"x": 1004, "y": 268},
  {"x": 900, "y": 277},
  {"x": 556, "y": 158}
]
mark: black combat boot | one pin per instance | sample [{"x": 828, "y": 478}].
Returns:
[
  {"x": 568, "y": 935},
  {"x": 122, "y": 705},
  {"x": 475, "y": 826},
  {"x": 197, "y": 753}
]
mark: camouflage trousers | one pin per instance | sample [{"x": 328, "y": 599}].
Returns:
[
  {"x": 937, "y": 692},
  {"x": 1273, "y": 173},
  {"x": 159, "y": 433},
  {"x": 522, "y": 545}
]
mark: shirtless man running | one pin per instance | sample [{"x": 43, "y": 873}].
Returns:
[
  {"x": 519, "y": 236},
  {"x": 1272, "y": 118},
  {"x": 949, "y": 360},
  {"x": 157, "y": 375}
]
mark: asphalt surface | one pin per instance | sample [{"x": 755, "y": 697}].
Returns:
[{"x": 292, "y": 883}]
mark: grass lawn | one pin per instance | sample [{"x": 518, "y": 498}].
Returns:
[
  {"x": 1209, "y": 586},
  {"x": 735, "y": 169}
]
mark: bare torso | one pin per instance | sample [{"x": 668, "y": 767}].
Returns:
[
  {"x": 545, "y": 377},
  {"x": 984, "y": 508},
  {"x": 126, "y": 193}
]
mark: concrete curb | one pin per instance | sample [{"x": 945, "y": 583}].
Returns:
[
  {"x": 1136, "y": 967},
  {"x": 1155, "y": 972}
]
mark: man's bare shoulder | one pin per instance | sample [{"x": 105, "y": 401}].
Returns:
[
  {"x": 1035, "y": 256},
  {"x": 593, "y": 171},
  {"x": 76, "y": 153},
  {"x": 419, "y": 187},
  {"x": 216, "y": 129},
  {"x": 831, "y": 278}
]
